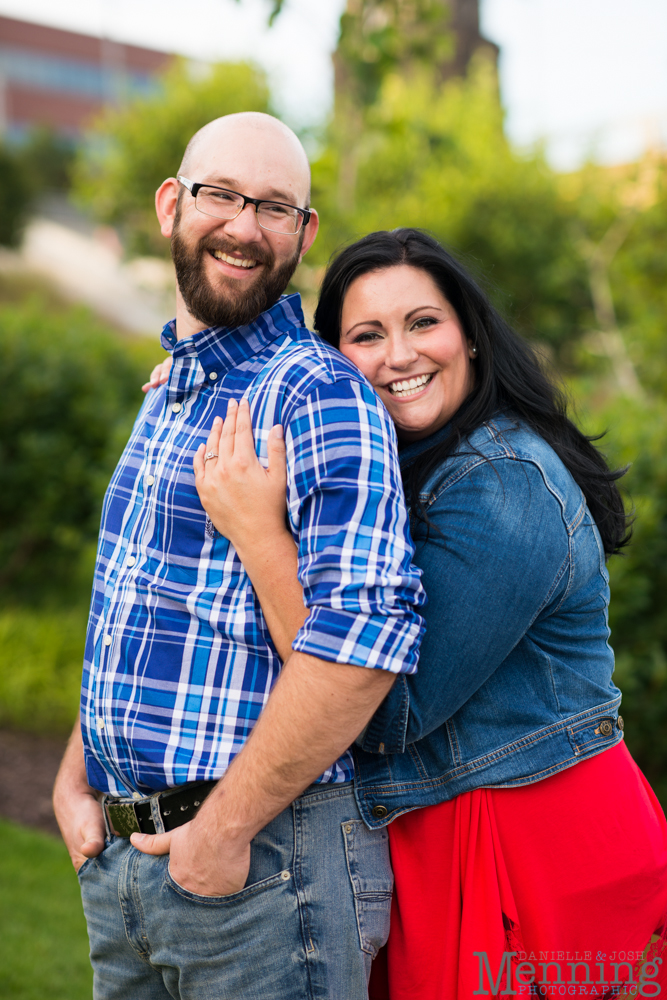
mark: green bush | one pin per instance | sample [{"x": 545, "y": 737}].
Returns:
[
  {"x": 638, "y": 619},
  {"x": 41, "y": 654},
  {"x": 70, "y": 389}
]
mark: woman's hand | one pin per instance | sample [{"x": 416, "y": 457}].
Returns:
[
  {"x": 245, "y": 501},
  {"x": 158, "y": 376}
]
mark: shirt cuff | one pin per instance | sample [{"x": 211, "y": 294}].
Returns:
[{"x": 378, "y": 641}]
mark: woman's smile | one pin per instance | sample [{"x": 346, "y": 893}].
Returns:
[{"x": 407, "y": 388}]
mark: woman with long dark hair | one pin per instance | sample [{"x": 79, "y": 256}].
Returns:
[{"x": 528, "y": 849}]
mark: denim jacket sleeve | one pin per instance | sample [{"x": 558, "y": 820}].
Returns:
[{"x": 500, "y": 557}]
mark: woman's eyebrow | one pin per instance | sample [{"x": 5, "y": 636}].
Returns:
[
  {"x": 363, "y": 322},
  {"x": 413, "y": 311}
]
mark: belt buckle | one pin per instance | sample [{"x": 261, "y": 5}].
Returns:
[{"x": 122, "y": 818}]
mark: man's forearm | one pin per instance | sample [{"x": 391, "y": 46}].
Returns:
[
  {"x": 314, "y": 713},
  {"x": 72, "y": 772}
]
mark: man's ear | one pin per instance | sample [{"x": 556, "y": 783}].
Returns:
[
  {"x": 310, "y": 232},
  {"x": 166, "y": 198}
]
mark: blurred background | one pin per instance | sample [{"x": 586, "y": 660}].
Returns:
[{"x": 528, "y": 135}]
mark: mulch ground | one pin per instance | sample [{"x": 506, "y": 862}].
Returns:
[{"x": 28, "y": 767}]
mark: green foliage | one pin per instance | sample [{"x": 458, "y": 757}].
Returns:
[
  {"x": 43, "y": 939},
  {"x": 45, "y": 161},
  {"x": 14, "y": 199},
  {"x": 436, "y": 157},
  {"x": 638, "y": 616},
  {"x": 70, "y": 389},
  {"x": 41, "y": 653},
  {"x": 378, "y": 37},
  {"x": 132, "y": 149}
]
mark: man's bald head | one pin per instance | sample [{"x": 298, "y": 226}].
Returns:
[{"x": 259, "y": 135}]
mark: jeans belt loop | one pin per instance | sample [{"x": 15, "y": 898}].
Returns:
[{"x": 156, "y": 815}]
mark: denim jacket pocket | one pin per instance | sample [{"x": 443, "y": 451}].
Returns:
[{"x": 369, "y": 868}]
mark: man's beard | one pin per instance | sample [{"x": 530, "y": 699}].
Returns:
[{"x": 228, "y": 305}]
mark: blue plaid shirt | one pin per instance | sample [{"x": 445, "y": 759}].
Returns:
[{"x": 179, "y": 661}]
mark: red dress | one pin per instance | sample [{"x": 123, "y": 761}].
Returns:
[{"x": 502, "y": 881}]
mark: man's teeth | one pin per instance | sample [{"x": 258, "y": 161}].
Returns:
[
  {"x": 410, "y": 386},
  {"x": 236, "y": 261}
]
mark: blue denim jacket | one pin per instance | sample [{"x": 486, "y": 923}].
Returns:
[{"x": 514, "y": 682}]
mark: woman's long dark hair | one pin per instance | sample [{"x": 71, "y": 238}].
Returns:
[{"x": 508, "y": 376}]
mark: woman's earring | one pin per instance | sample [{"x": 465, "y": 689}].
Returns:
[{"x": 474, "y": 351}]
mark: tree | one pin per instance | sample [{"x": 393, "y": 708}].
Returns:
[
  {"x": 130, "y": 150},
  {"x": 435, "y": 156}
]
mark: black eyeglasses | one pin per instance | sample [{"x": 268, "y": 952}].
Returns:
[{"x": 219, "y": 203}]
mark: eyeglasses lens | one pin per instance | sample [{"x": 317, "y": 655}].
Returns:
[{"x": 227, "y": 205}]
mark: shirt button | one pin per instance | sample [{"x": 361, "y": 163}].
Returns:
[
  {"x": 136, "y": 795},
  {"x": 213, "y": 376},
  {"x": 131, "y": 561},
  {"x": 177, "y": 407},
  {"x": 100, "y": 725},
  {"x": 606, "y": 727},
  {"x": 107, "y": 640},
  {"x": 149, "y": 480},
  {"x": 620, "y": 723},
  {"x": 379, "y": 811}
]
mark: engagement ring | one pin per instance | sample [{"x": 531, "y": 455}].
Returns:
[{"x": 210, "y": 454}]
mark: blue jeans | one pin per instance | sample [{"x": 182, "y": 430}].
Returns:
[{"x": 313, "y": 914}]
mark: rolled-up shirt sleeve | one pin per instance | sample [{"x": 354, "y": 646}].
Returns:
[{"x": 347, "y": 512}]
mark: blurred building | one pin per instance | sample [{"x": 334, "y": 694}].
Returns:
[{"x": 58, "y": 79}]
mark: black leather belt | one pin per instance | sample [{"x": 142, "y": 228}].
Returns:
[{"x": 175, "y": 805}]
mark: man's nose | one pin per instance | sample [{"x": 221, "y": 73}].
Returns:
[{"x": 245, "y": 227}]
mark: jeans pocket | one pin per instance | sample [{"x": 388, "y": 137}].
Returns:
[
  {"x": 249, "y": 890},
  {"x": 82, "y": 869},
  {"x": 369, "y": 868}
]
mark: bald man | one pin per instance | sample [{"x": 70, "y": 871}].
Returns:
[{"x": 213, "y": 864}]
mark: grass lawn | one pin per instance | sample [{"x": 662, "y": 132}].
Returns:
[{"x": 43, "y": 940}]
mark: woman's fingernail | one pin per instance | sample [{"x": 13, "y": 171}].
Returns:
[
  {"x": 217, "y": 420},
  {"x": 278, "y": 431}
]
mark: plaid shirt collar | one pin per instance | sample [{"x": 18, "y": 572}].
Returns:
[{"x": 219, "y": 348}]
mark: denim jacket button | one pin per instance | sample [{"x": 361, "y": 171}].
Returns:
[
  {"x": 606, "y": 727},
  {"x": 379, "y": 811},
  {"x": 620, "y": 723}
]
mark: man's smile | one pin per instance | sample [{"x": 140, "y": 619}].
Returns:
[{"x": 244, "y": 262}]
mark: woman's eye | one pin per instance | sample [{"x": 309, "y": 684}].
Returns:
[
  {"x": 424, "y": 322},
  {"x": 366, "y": 337}
]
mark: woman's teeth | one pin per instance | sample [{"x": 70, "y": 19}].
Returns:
[
  {"x": 236, "y": 261},
  {"x": 410, "y": 386}
]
